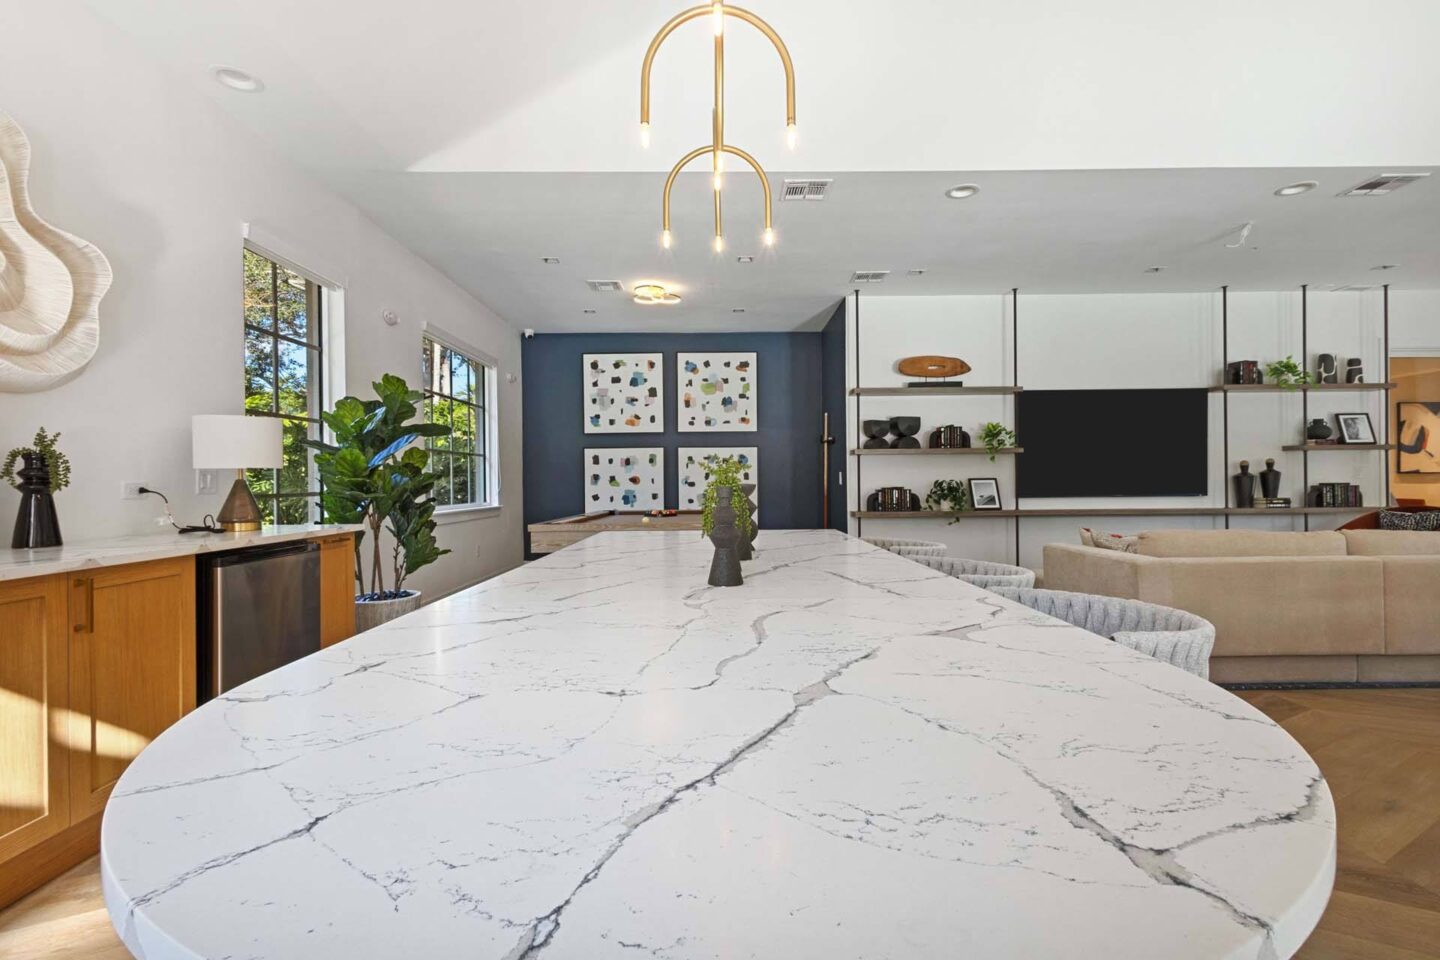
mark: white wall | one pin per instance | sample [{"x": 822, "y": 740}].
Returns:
[
  {"x": 1123, "y": 341},
  {"x": 162, "y": 181}
]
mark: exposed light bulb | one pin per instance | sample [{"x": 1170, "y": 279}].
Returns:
[
  {"x": 790, "y": 135},
  {"x": 769, "y": 237},
  {"x": 665, "y": 239},
  {"x": 645, "y": 135},
  {"x": 717, "y": 14},
  {"x": 719, "y": 244},
  {"x": 718, "y": 180}
]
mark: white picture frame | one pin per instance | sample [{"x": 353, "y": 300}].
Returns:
[
  {"x": 716, "y": 393},
  {"x": 623, "y": 392},
  {"x": 692, "y": 475},
  {"x": 624, "y": 479}
]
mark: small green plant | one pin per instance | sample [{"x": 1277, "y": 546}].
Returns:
[
  {"x": 997, "y": 437},
  {"x": 723, "y": 472},
  {"x": 948, "y": 495},
  {"x": 42, "y": 446},
  {"x": 1287, "y": 373}
]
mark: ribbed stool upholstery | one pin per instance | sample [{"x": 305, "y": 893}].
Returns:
[
  {"x": 909, "y": 548},
  {"x": 981, "y": 573}
]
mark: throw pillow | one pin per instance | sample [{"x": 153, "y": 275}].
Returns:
[
  {"x": 1087, "y": 537},
  {"x": 1406, "y": 520},
  {"x": 1115, "y": 541}
]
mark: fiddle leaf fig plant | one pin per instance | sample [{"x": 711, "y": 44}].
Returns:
[
  {"x": 996, "y": 437},
  {"x": 1287, "y": 373},
  {"x": 373, "y": 475},
  {"x": 948, "y": 495},
  {"x": 723, "y": 472}
]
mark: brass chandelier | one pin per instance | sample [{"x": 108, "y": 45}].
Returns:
[{"x": 717, "y": 148}]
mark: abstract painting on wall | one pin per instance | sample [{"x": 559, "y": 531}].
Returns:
[
  {"x": 624, "y": 393},
  {"x": 716, "y": 392},
  {"x": 694, "y": 476},
  {"x": 1418, "y": 436},
  {"x": 624, "y": 479}
]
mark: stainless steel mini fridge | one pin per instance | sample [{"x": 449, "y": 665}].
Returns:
[{"x": 259, "y": 610}]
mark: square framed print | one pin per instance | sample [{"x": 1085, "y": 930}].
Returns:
[
  {"x": 1355, "y": 427},
  {"x": 985, "y": 493},
  {"x": 624, "y": 479},
  {"x": 624, "y": 392},
  {"x": 715, "y": 392},
  {"x": 694, "y": 476},
  {"x": 1417, "y": 436}
]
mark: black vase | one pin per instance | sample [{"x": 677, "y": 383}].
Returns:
[
  {"x": 36, "y": 525},
  {"x": 1244, "y": 486},
  {"x": 1318, "y": 428},
  {"x": 1270, "y": 481},
  {"x": 1328, "y": 371},
  {"x": 1354, "y": 371},
  {"x": 725, "y": 565}
]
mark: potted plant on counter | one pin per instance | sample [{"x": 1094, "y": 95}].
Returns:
[
  {"x": 372, "y": 474},
  {"x": 725, "y": 519}
]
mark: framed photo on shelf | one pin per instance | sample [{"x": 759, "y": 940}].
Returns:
[
  {"x": 985, "y": 493},
  {"x": 1355, "y": 428}
]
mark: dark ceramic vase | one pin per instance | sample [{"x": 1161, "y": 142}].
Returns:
[
  {"x": 1318, "y": 428},
  {"x": 1244, "y": 486},
  {"x": 1328, "y": 371},
  {"x": 1354, "y": 371},
  {"x": 36, "y": 525},
  {"x": 725, "y": 535},
  {"x": 747, "y": 548},
  {"x": 1270, "y": 481}
]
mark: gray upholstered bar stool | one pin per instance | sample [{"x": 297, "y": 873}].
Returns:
[
  {"x": 981, "y": 573},
  {"x": 909, "y": 548},
  {"x": 1179, "y": 638}
]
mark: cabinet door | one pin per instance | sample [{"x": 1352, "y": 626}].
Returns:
[
  {"x": 132, "y": 668},
  {"x": 34, "y": 777},
  {"x": 337, "y": 589}
]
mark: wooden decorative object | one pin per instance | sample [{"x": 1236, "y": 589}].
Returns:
[
  {"x": 930, "y": 366},
  {"x": 50, "y": 283}
]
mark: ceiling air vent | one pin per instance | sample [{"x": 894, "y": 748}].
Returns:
[
  {"x": 869, "y": 276},
  {"x": 1352, "y": 288},
  {"x": 604, "y": 286},
  {"x": 806, "y": 189},
  {"x": 1381, "y": 184}
]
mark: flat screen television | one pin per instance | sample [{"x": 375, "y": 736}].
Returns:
[{"x": 1113, "y": 443}]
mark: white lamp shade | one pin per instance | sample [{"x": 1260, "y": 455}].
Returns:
[{"x": 236, "y": 442}]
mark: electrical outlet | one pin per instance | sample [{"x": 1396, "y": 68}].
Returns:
[
  {"x": 131, "y": 490},
  {"x": 206, "y": 482}
]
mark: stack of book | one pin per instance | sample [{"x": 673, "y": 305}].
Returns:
[
  {"x": 1273, "y": 503},
  {"x": 950, "y": 437},
  {"x": 1336, "y": 495},
  {"x": 1243, "y": 371},
  {"x": 893, "y": 500}
]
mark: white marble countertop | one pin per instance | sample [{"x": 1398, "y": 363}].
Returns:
[
  {"x": 597, "y": 756},
  {"x": 86, "y": 554}
]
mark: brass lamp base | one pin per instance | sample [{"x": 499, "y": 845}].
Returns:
[{"x": 240, "y": 513}]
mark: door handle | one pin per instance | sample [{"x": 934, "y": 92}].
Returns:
[{"x": 88, "y": 585}]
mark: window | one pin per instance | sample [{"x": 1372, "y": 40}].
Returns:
[
  {"x": 459, "y": 394},
  {"x": 283, "y": 378}
]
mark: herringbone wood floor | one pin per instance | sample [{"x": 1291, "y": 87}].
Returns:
[{"x": 1380, "y": 750}]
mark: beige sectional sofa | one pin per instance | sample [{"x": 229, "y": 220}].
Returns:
[{"x": 1334, "y": 606}]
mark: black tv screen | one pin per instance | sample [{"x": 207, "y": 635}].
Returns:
[{"x": 1113, "y": 443}]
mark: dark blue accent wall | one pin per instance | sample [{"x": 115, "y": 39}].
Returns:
[
  {"x": 788, "y": 370},
  {"x": 832, "y": 397}
]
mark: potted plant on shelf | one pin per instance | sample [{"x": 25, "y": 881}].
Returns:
[
  {"x": 373, "y": 475},
  {"x": 948, "y": 495},
  {"x": 1287, "y": 373},
  {"x": 996, "y": 437},
  {"x": 44, "y": 471},
  {"x": 725, "y": 519}
]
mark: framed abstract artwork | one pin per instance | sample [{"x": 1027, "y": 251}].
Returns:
[
  {"x": 694, "y": 476},
  {"x": 1417, "y": 435},
  {"x": 625, "y": 479},
  {"x": 624, "y": 392},
  {"x": 716, "y": 392}
]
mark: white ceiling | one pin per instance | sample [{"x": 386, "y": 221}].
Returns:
[{"x": 486, "y": 136}]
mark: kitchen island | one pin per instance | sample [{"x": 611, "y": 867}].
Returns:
[{"x": 596, "y": 755}]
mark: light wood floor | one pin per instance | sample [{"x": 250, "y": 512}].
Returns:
[{"x": 1379, "y": 749}]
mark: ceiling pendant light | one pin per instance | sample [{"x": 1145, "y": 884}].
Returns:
[{"x": 717, "y": 147}]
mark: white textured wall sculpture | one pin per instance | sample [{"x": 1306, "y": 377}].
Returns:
[{"x": 50, "y": 283}]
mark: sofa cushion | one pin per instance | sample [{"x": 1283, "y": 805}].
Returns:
[
  {"x": 1391, "y": 543},
  {"x": 1412, "y": 604},
  {"x": 1240, "y": 543}
]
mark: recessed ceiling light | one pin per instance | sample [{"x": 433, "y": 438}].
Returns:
[
  {"x": 962, "y": 191},
  {"x": 915, "y": 272},
  {"x": 237, "y": 79},
  {"x": 1386, "y": 266},
  {"x": 550, "y": 260},
  {"x": 744, "y": 259},
  {"x": 1153, "y": 269},
  {"x": 587, "y": 310},
  {"x": 737, "y": 309},
  {"x": 1297, "y": 188},
  {"x": 651, "y": 293}
]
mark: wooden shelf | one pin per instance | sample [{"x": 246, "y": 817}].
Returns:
[
  {"x": 932, "y": 451},
  {"x": 1102, "y": 512},
  {"x": 932, "y": 391},
  {"x": 1308, "y": 388},
  {"x": 1357, "y": 447}
]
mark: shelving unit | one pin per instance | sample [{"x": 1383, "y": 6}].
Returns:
[
  {"x": 1097, "y": 512},
  {"x": 1347, "y": 447},
  {"x": 933, "y": 451},
  {"x": 936, "y": 391},
  {"x": 1299, "y": 388}
]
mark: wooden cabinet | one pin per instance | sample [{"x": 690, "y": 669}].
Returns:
[
  {"x": 132, "y": 669},
  {"x": 34, "y": 694},
  {"x": 337, "y": 589}
]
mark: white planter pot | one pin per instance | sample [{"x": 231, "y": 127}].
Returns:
[{"x": 372, "y": 613}]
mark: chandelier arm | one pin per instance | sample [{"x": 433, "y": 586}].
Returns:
[
  {"x": 682, "y": 17},
  {"x": 675, "y": 172},
  {"x": 764, "y": 180},
  {"x": 780, "y": 48},
  {"x": 717, "y": 124}
]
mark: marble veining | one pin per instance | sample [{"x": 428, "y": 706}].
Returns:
[
  {"x": 136, "y": 548},
  {"x": 598, "y": 756}
]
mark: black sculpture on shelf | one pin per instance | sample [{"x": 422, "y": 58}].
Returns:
[
  {"x": 905, "y": 429},
  {"x": 1270, "y": 481},
  {"x": 1318, "y": 428},
  {"x": 1354, "y": 371},
  {"x": 1244, "y": 486},
  {"x": 1329, "y": 370},
  {"x": 876, "y": 431}
]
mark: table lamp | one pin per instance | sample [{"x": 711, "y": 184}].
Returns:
[{"x": 237, "y": 442}]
